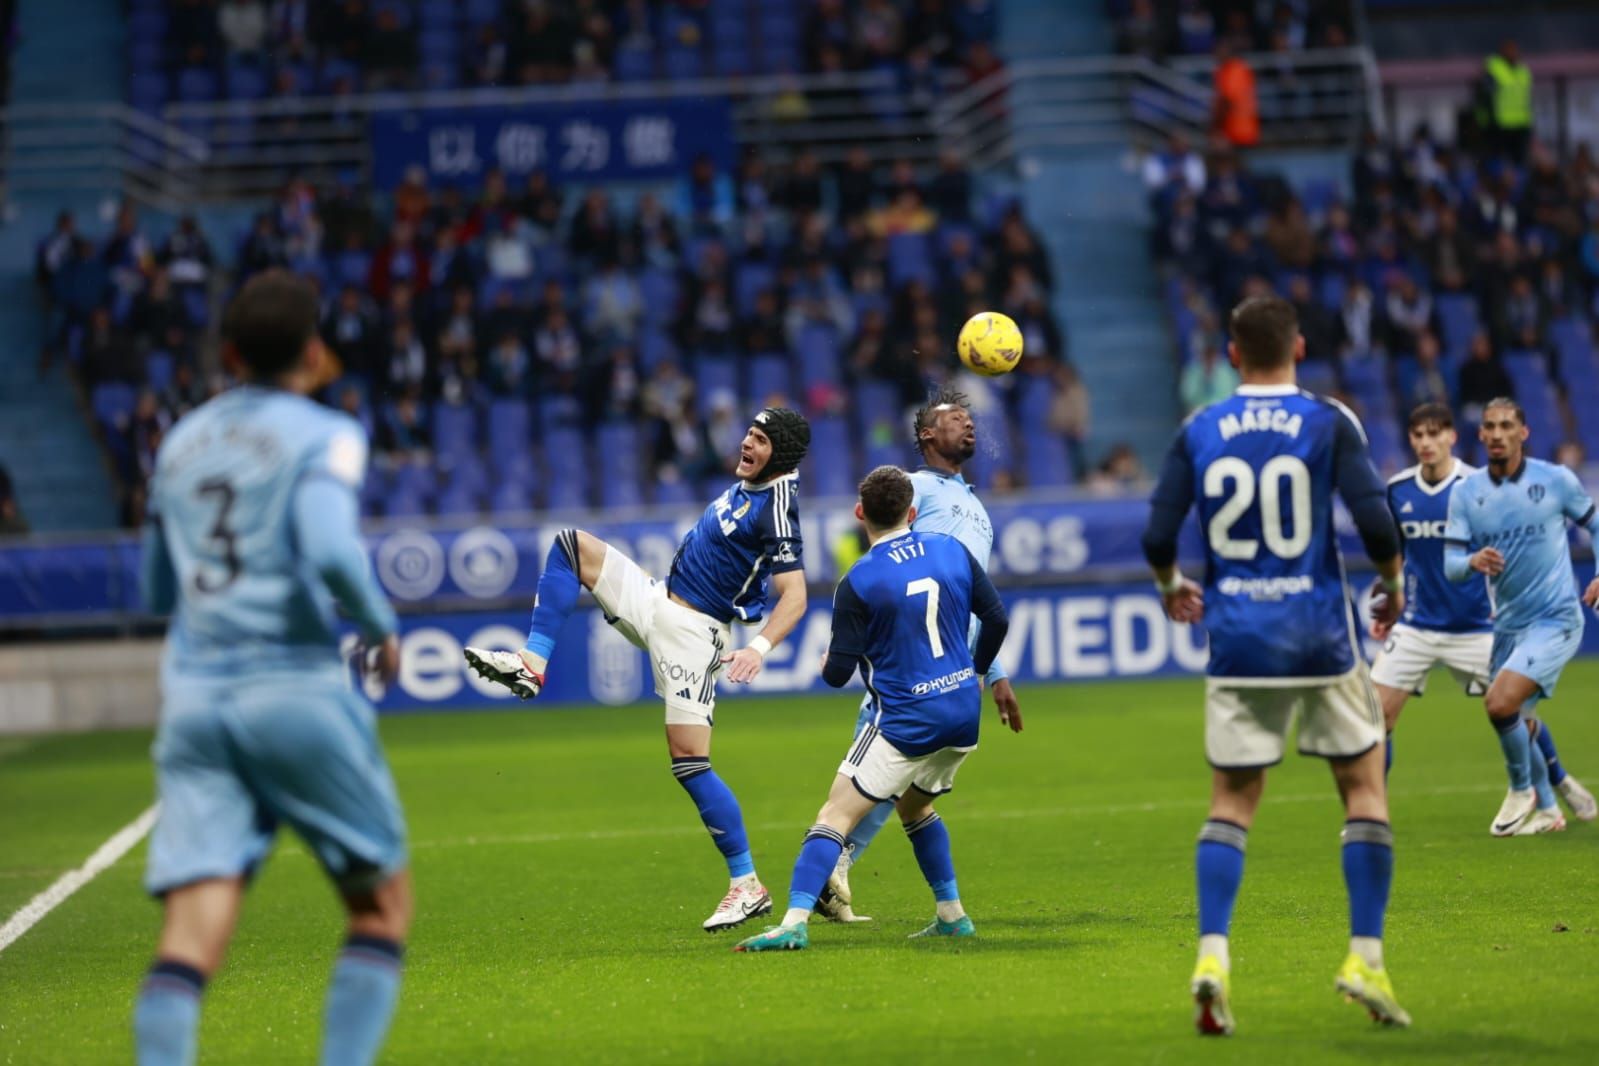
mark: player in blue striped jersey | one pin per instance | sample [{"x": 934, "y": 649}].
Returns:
[
  {"x": 253, "y": 540},
  {"x": 747, "y": 539},
  {"x": 901, "y": 616},
  {"x": 1261, "y": 468},
  {"x": 1444, "y": 622},
  {"x": 945, "y": 502},
  {"x": 1509, "y": 522}
]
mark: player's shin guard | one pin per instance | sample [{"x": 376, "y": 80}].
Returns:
[
  {"x": 1368, "y": 856},
  {"x": 557, "y": 594},
  {"x": 1551, "y": 757},
  {"x": 1219, "y": 870},
  {"x": 817, "y": 857},
  {"x": 719, "y": 811},
  {"x": 366, "y": 983},
  {"x": 861, "y": 837},
  {"x": 1516, "y": 746},
  {"x": 930, "y": 841},
  {"x": 166, "y": 1016}
]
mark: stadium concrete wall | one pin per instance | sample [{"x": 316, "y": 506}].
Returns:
[{"x": 78, "y": 687}]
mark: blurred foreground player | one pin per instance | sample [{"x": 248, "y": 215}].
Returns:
[
  {"x": 252, "y": 541},
  {"x": 901, "y": 615},
  {"x": 748, "y": 536},
  {"x": 1262, "y": 467},
  {"x": 1509, "y": 522},
  {"x": 945, "y": 502},
  {"x": 1444, "y": 622}
]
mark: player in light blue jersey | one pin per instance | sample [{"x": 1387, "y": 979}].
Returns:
[
  {"x": 1261, "y": 468},
  {"x": 1509, "y": 522},
  {"x": 253, "y": 539},
  {"x": 747, "y": 538},
  {"x": 901, "y": 615},
  {"x": 1444, "y": 622},
  {"x": 945, "y": 502}
]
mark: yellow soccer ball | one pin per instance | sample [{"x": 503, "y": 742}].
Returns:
[{"x": 990, "y": 344}]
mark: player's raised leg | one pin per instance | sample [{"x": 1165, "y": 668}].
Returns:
[
  {"x": 1505, "y": 698},
  {"x": 1219, "y": 871},
  {"x": 197, "y": 925},
  {"x": 1368, "y": 861},
  {"x": 845, "y": 806}
]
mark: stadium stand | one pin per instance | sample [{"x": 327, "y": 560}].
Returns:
[{"x": 1442, "y": 277}]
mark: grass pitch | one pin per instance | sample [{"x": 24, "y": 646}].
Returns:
[{"x": 562, "y": 876}]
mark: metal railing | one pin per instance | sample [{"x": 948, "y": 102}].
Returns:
[
  {"x": 1323, "y": 97},
  {"x": 256, "y": 146},
  {"x": 50, "y": 148}
]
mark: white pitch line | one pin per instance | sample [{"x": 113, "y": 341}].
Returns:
[
  {"x": 1328, "y": 796},
  {"x": 121, "y": 842}
]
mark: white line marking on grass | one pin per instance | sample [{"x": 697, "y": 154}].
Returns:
[
  {"x": 103, "y": 859},
  {"x": 1088, "y": 810}
]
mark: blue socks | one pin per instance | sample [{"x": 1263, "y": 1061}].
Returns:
[
  {"x": 861, "y": 837},
  {"x": 366, "y": 983},
  {"x": 817, "y": 857},
  {"x": 166, "y": 1016},
  {"x": 1518, "y": 758},
  {"x": 930, "y": 840},
  {"x": 1368, "y": 873},
  {"x": 1540, "y": 777},
  {"x": 719, "y": 811},
  {"x": 1546, "y": 744},
  {"x": 557, "y": 595},
  {"x": 1219, "y": 869}
]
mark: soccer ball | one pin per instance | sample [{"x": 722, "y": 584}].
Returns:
[{"x": 990, "y": 344}]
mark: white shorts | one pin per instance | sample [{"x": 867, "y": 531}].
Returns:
[
  {"x": 883, "y": 772},
  {"x": 685, "y": 647},
  {"x": 1246, "y": 725},
  {"x": 1410, "y": 654}
]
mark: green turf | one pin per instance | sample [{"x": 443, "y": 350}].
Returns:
[{"x": 562, "y": 877}]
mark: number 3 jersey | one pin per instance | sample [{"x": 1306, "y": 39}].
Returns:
[
  {"x": 224, "y": 498},
  {"x": 1262, "y": 467}
]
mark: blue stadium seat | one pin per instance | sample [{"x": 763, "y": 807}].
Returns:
[
  {"x": 197, "y": 85},
  {"x": 634, "y": 64},
  {"x": 825, "y": 473},
  {"x": 454, "y": 431},
  {"x": 659, "y": 291},
  {"x": 558, "y": 412},
  {"x": 147, "y": 92},
  {"x": 404, "y": 504},
  {"x": 750, "y": 278},
  {"x": 770, "y": 375},
  {"x": 457, "y": 500},
  {"x": 435, "y": 16},
  {"x": 654, "y": 348},
  {"x": 617, "y": 445},
  {"x": 480, "y": 12},
  {"x": 1457, "y": 319},
  {"x": 731, "y": 61},
  {"x": 683, "y": 64},
  {"x": 145, "y": 56},
  {"x": 246, "y": 82},
  {"x": 111, "y": 402},
  {"x": 565, "y": 481},
  {"x": 510, "y": 498},
  {"x": 440, "y": 76},
  {"x": 875, "y": 402},
  {"x": 147, "y": 25},
  {"x": 1035, "y": 398},
  {"x": 910, "y": 258},
  {"x": 818, "y": 353},
  {"x": 417, "y": 479},
  {"x": 1049, "y": 461},
  {"x": 439, "y": 46},
  {"x": 715, "y": 373},
  {"x": 510, "y": 431},
  {"x": 674, "y": 492},
  {"x": 158, "y": 368}
]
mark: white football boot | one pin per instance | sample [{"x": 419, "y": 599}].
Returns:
[
  {"x": 1543, "y": 820},
  {"x": 1580, "y": 801},
  {"x": 1518, "y": 807},
  {"x": 506, "y": 668},
  {"x": 744, "y": 900}
]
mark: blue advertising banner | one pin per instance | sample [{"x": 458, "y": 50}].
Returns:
[{"x": 582, "y": 140}]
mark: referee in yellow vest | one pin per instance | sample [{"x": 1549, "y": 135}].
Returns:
[{"x": 1510, "y": 97}]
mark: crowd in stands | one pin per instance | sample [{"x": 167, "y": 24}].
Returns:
[
  {"x": 480, "y": 330},
  {"x": 1440, "y": 276},
  {"x": 201, "y": 50},
  {"x": 1175, "y": 28}
]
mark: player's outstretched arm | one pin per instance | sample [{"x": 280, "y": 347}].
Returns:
[
  {"x": 158, "y": 580},
  {"x": 848, "y": 641},
  {"x": 745, "y": 664},
  {"x": 327, "y": 529}
]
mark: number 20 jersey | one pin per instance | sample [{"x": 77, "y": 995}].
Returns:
[
  {"x": 223, "y": 489},
  {"x": 1262, "y": 467}
]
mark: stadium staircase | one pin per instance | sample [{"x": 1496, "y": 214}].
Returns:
[
  {"x": 69, "y": 52},
  {"x": 1094, "y": 222}
]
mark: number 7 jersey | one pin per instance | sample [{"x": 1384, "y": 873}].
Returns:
[{"x": 1261, "y": 467}]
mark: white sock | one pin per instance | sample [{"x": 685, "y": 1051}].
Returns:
[
  {"x": 1369, "y": 948},
  {"x": 796, "y": 916},
  {"x": 1215, "y": 944},
  {"x": 536, "y": 663},
  {"x": 950, "y": 910},
  {"x": 748, "y": 880}
]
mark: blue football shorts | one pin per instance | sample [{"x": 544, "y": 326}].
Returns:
[
  {"x": 238, "y": 756},
  {"x": 1540, "y": 652}
]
